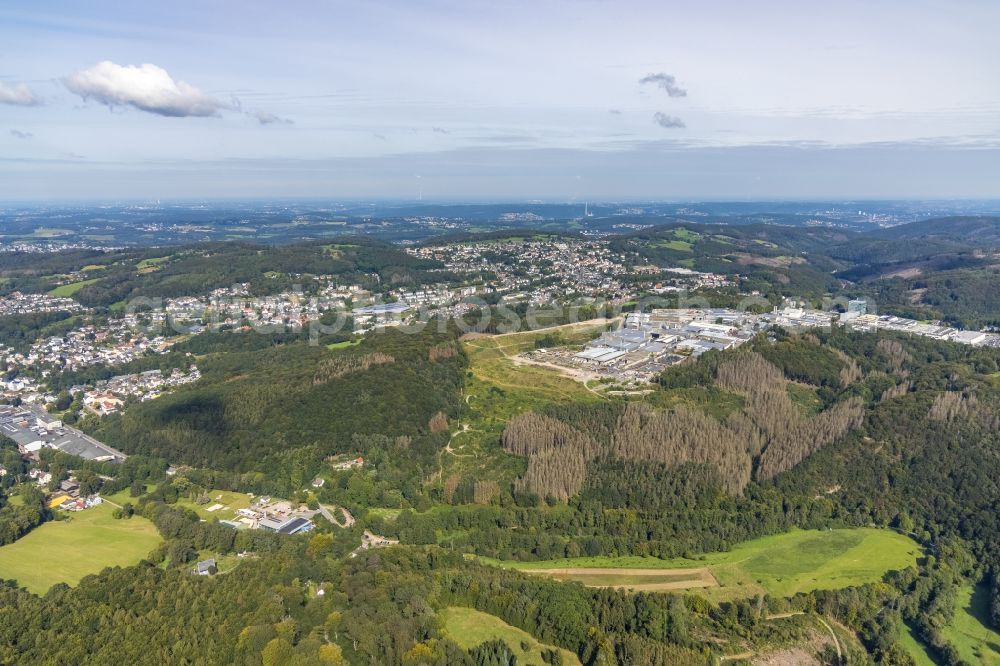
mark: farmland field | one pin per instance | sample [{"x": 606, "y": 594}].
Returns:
[
  {"x": 65, "y": 552},
  {"x": 469, "y": 628},
  {"x": 782, "y": 564},
  {"x": 51, "y": 232}
]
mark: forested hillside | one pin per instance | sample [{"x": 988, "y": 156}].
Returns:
[
  {"x": 892, "y": 431},
  {"x": 978, "y": 231},
  {"x": 935, "y": 269},
  {"x": 768, "y": 436},
  {"x": 783, "y": 259},
  {"x": 283, "y": 409},
  {"x": 116, "y": 276}
]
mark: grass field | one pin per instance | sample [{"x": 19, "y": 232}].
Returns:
[
  {"x": 713, "y": 401},
  {"x": 805, "y": 398},
  {"x": 151, "y": 264},
  {"x": 386, "y": 513},
  {"x": 523, "y": 386},
  {"x": 67, "y": 290},
  {"x": 678, "y": 245},
  {"x": 230, "y": 501},
  {"x": 683, "y": 240},
  {"x": 65, "y": 552},
  {"x": 908, "y": 639},
  {"x": 975, "y": 641},
  {"x": 469, "y": 628},
  {"x": 343, "y": 344},
  {"x": 123, "y": 496},
  {"x": 782, "y": 564},
  {"x": 51, "y": 232}
]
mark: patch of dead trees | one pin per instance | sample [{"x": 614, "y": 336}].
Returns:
[{"x": 767, "y": 437}]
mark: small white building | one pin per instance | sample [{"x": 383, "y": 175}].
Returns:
[{"x": 34, "y": 447}]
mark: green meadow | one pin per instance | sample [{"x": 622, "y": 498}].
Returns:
[
  {"x": 469, "y": 627},
  {"x": 781, "y": 564},
  {"x": 969, "y": 632},
  {"x": 67, "y": 290},
  {"x": 343, "y": 344},
  {"x": 230, "y": 501},
  {"x": 66, "y": 551},
  {"x": 916, "y": 649}
]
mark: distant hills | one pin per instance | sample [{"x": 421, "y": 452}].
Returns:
[
  {"x": 978, "y": 231},
  {"x": 283, "y": 222}
]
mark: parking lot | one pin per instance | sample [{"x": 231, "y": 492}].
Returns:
[{"x": 21, "y": 425}]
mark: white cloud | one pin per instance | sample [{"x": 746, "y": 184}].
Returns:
[
  {"x": 145, "y": 87},
  {"x": 21, "y": 135},
  {"x": 669, "y": 122},
  {"x": 265, "y": 118},
  {"x": 18, "y": 95}
]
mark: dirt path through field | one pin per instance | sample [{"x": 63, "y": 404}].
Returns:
[{"x": 673, "y": 579}]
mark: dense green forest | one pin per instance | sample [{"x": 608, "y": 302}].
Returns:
[
  {"x": 19, "y": 331},
  {"x": 283, "y": 409},
  {"x": 376, "y": 608},
  {"x": 922, "y": 459}
]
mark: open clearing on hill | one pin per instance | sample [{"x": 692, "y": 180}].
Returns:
[
  {"x": 469, "y": 627},
  {"x": 497, "y": 389},
  {"x": 66, "y": 551},
  {"x": 229, "y": 500},
  {"x": 67, "y": 290},
  {"x": 493, "y": 366},
  {"x": 781, "y": 564}
]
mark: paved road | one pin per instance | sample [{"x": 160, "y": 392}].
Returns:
[{"x": 348, "y": 518}]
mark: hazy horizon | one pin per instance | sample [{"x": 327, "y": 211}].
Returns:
[{"x": 476, "y": 101}]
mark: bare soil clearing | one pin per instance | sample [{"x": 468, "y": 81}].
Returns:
[{"x": 642, "y": 580}]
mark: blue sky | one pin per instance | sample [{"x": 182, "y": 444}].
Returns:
[{"x": 556, "y": 100}]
